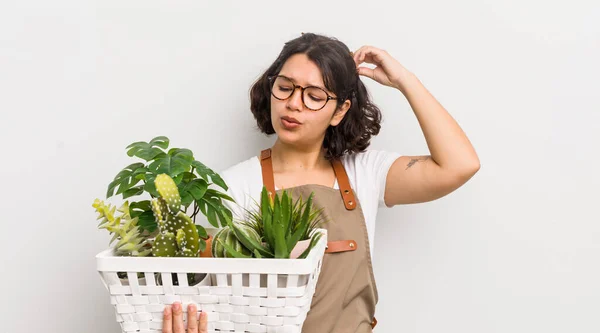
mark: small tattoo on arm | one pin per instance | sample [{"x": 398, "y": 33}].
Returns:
[{"x": 415, "y": 160}]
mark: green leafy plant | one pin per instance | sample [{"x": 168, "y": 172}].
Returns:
[
  {"x": 192, "y": 177},
  {"x": 281, "y": 223},
  {"x": 197, "y": 186}
]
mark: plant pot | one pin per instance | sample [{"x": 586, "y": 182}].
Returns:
[
  {"x": 300, "y": 247},
  {"x": 192, "y": 279},
  {"x": 207, "y": 250},
  {"x": 125, "y": 281}
]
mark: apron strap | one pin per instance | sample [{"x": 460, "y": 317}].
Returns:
[
  {"x": 266, "y": 165},
  {"x": 344, "y": 184},
  {"x": 346, "y": 192}
]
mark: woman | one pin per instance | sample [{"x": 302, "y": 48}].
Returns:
[{"x": 313, "y": 98}]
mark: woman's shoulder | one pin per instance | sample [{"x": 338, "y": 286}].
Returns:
[
  {"x": 368, "y": 159},
  {"x": 367, "y": 172}
]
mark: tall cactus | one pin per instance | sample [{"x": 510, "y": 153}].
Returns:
[{"x": 178, "y": 236}]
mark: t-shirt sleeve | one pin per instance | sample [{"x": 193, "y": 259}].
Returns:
[{"x": 375, "y": 165}]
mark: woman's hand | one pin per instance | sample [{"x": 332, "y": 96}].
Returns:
[
  {"x": 388, "y": 72},
  {"x": 173, "y": 320}
]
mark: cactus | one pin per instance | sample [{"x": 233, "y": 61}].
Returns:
[
  {"x": 178, "y": 236},
  {"x": 124, "y": 228},
  {"x": 164, "y": 245},
  {"x": 167, "y": 189}
]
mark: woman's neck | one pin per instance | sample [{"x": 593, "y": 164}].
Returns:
[{"x": 291, "y": 158}]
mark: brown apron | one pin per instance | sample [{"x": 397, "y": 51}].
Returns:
[{"x": 346, "y": 294}]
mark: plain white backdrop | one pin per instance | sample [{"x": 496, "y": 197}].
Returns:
[{"x": 517, "y": 249}]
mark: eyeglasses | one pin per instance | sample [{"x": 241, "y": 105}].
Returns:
[{"x": 313, "y": 98}]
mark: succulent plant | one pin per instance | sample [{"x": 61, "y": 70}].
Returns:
[
  {"x": 132, "y": 240},
  {"x": 253, "y": 217},
  {"x": 225, "y": 242},
  {"x": 282, "y": 223},
  {"x": 178, "y": 236}
]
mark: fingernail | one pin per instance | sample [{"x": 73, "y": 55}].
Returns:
[
  {"x": 167, "y": 309},
  {"x": 175, "y": 306},
  {"x": 192, "y": 307}
]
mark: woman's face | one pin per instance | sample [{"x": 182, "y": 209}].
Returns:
[{"x": 311, "y": 125}]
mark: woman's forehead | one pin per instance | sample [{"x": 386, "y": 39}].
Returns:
[{"x": 303, "y": 71}]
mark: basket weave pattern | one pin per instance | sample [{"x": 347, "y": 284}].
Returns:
[{"x": 239, "y": 295}]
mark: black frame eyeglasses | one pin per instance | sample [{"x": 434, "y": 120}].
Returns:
[{"x": 305, "y": 92}]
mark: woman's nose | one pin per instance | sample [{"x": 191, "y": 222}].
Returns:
[{"x": 295, "y": 101}]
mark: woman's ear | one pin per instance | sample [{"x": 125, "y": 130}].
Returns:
[{"x": 340, "y": 113}]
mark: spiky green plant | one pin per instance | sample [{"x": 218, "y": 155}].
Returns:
[
  {"x": 253, "y": 217},
  {"x": 132, "y": 241},
  {"x": 282, "y": 223}
]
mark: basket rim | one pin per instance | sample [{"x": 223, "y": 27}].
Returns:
[{"x": 106, "y": 261}]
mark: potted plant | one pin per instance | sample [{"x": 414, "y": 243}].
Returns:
[
  {"x": 277, "y": 228},
  {"x": 175, "y": 182},
  {"x": 155, "y": 261}
]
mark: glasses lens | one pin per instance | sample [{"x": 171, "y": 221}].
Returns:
[
  {"x": 282, "y": 88},
  {"x": 315, "y": 98}
]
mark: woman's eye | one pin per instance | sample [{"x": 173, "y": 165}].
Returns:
[
  {"x": 284, "y": 88},
  {"x": 315, "y": 98}
]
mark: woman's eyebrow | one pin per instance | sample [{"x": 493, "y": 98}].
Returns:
[{"x": 309, "y": 84}]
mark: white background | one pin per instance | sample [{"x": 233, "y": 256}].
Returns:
[{"x": 517, "y": 249}]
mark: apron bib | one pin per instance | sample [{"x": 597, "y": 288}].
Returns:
[{"x": 346, "y": 294}]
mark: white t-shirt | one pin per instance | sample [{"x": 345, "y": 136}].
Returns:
[{"x": 367, "y": 172}]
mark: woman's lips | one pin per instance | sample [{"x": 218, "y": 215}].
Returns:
[{"x": 289, "y": 123}]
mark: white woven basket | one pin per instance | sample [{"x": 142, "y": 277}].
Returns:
[{"x": 239, "y": 295}]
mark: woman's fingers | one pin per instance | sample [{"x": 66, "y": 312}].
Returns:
[
  {"x": 366, "y": 71},
  {"x": 385, "y": 66},
  {"x": 203, "y": 327},
  {"x": 173, "y": 320},
  {"x": 365, "y": 54},
  {"x": 369, "y": 55},
  {"x": 167, "y": 320},
  {"x": 178, "y": 319},
  {"x": 372, "y": 56},
  {"x": 357, "y": 55},
  {"x": 192, "y": 321}
]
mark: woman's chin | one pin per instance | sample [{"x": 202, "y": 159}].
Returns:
[{"x": 287, "y": 137}]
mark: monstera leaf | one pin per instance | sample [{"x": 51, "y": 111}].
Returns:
[{"x": 193, "y": 178}]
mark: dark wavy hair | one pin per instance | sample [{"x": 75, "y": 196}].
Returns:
[{"x": 334, "y": 59}]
